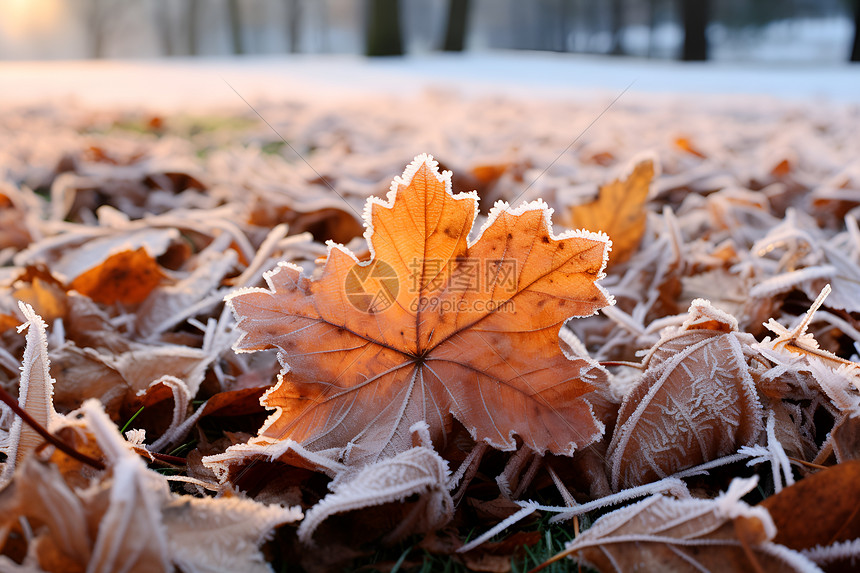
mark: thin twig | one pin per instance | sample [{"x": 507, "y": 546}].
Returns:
[
  {"x": 637, "y": 365},
  {"x": 807, "y": 464},
  {"x": 49, "y": 437},
  {"x": 168, "y": 459}
]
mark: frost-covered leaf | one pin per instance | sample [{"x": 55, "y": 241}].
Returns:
[
  {"x": 373, "y": 347},
  {"x": 704, "y": 535},
  {"x": 39, "y": 493},
  {"x": 167, "y": 305},
  {"x": 809, "y": 262},
  {"x": 44, "y": 294},
  {"x": 76, "y": 252},
  {"x": 123, "y": 379},
  {"x": 799, "y": 342},
  {"x": 35, "y": 394},
  {"x": 797, "y": 352},
  {"x": 126, "y": 519},
  {"x": 755, "y": 205},
  {"x": 839, "y": 556},
  {"x": 417, "y": 472},
  {"x": 143, "y": 364},
  {"x": 695, "y": 402},
  {"x": 223, "y": 534},
  {"x": 129, "y": 533}
]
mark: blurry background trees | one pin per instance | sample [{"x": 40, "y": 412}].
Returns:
[
  {"x": 694, "y": 19},
  {"x": 855, "y": 49},
  {"x": 757, "y": 30},
  {"x": 383, "y": 28}
]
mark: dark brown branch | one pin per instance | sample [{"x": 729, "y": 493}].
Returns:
[
  {"x": 622, "y": 363},
  {"x": 168, "y": 459},
  {"x": 49, "y": 437}
]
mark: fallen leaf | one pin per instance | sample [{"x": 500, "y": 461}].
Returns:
[
  {"x": 433, "y": 325},
  {"x": 83, "y": 373},
  {"x": 126, "y": 277},
  {"x": 695, "y": 402},
  {"x": 8, "y": 321},
  {"x": 684, "y": 144},
  {"x": 167, "y": 305},
  {"x": 121, "y": 380},
  {"x": 801, "y": 344},
  {"x": 14, "y": 231},
  {"x": 821, "y": 509},
  {"x": 496, "y": 557},
  {"x": 489, "y": 173},
  {"x": 221, "y": 534},
  {"x": 418, "y": 472},
  {"x": 781, "y": 169},
  {"x": 59, "y": 517},
  {"x": 602, "y": 158},
  {"x": 619, "y": 211},
  {"x": 235, "y": 402},
  {"x": 128, "y": 520},
  {"x": 722, "y": 534},
  {"x": 72, "y": 254},
  {"x": 846, "y": 439},
  {"x": 494, "y": 509},
  {"x": 35, "y": 394},
  {"x": 46, "y": 298},
  {"x": 325, "y": 220}
]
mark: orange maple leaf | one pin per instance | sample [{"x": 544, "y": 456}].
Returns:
[
  {"x": 431, "y": 326},
  {"x": 619, "y": 210},
  {"x": 126, "y": 277}
]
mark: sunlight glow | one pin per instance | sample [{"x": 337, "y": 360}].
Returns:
[{"x": 24, "y": 18}]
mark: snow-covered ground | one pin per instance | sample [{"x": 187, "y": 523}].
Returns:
[{"x": 186, "y": 84}]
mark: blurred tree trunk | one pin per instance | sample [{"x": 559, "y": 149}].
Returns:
[
  {"x": 616, "y": 14},
  {"x": 96, "y": 18},
  {"x": 193, "y": 16},
  {"x": 652, "y": 26},
  {"x": 235, "y": 26},
  {"x": 591, "y": 17},
  {"x": 325, "y": 47},
  {"x": 694, "y": 15},
  {"x": 383, "y": 28},
  {"x": 294, "y": 21},
  {"x": 455, "y": 30},
  {"x": 163, "y": 15},
  {"x": 561, "y": 29},
  {"x": 855, "y": 49}
]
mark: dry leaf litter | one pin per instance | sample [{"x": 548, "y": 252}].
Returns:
[{"x": 721, "y": 370}]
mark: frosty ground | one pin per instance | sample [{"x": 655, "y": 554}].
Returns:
[{"x": 163, "y": 172}]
